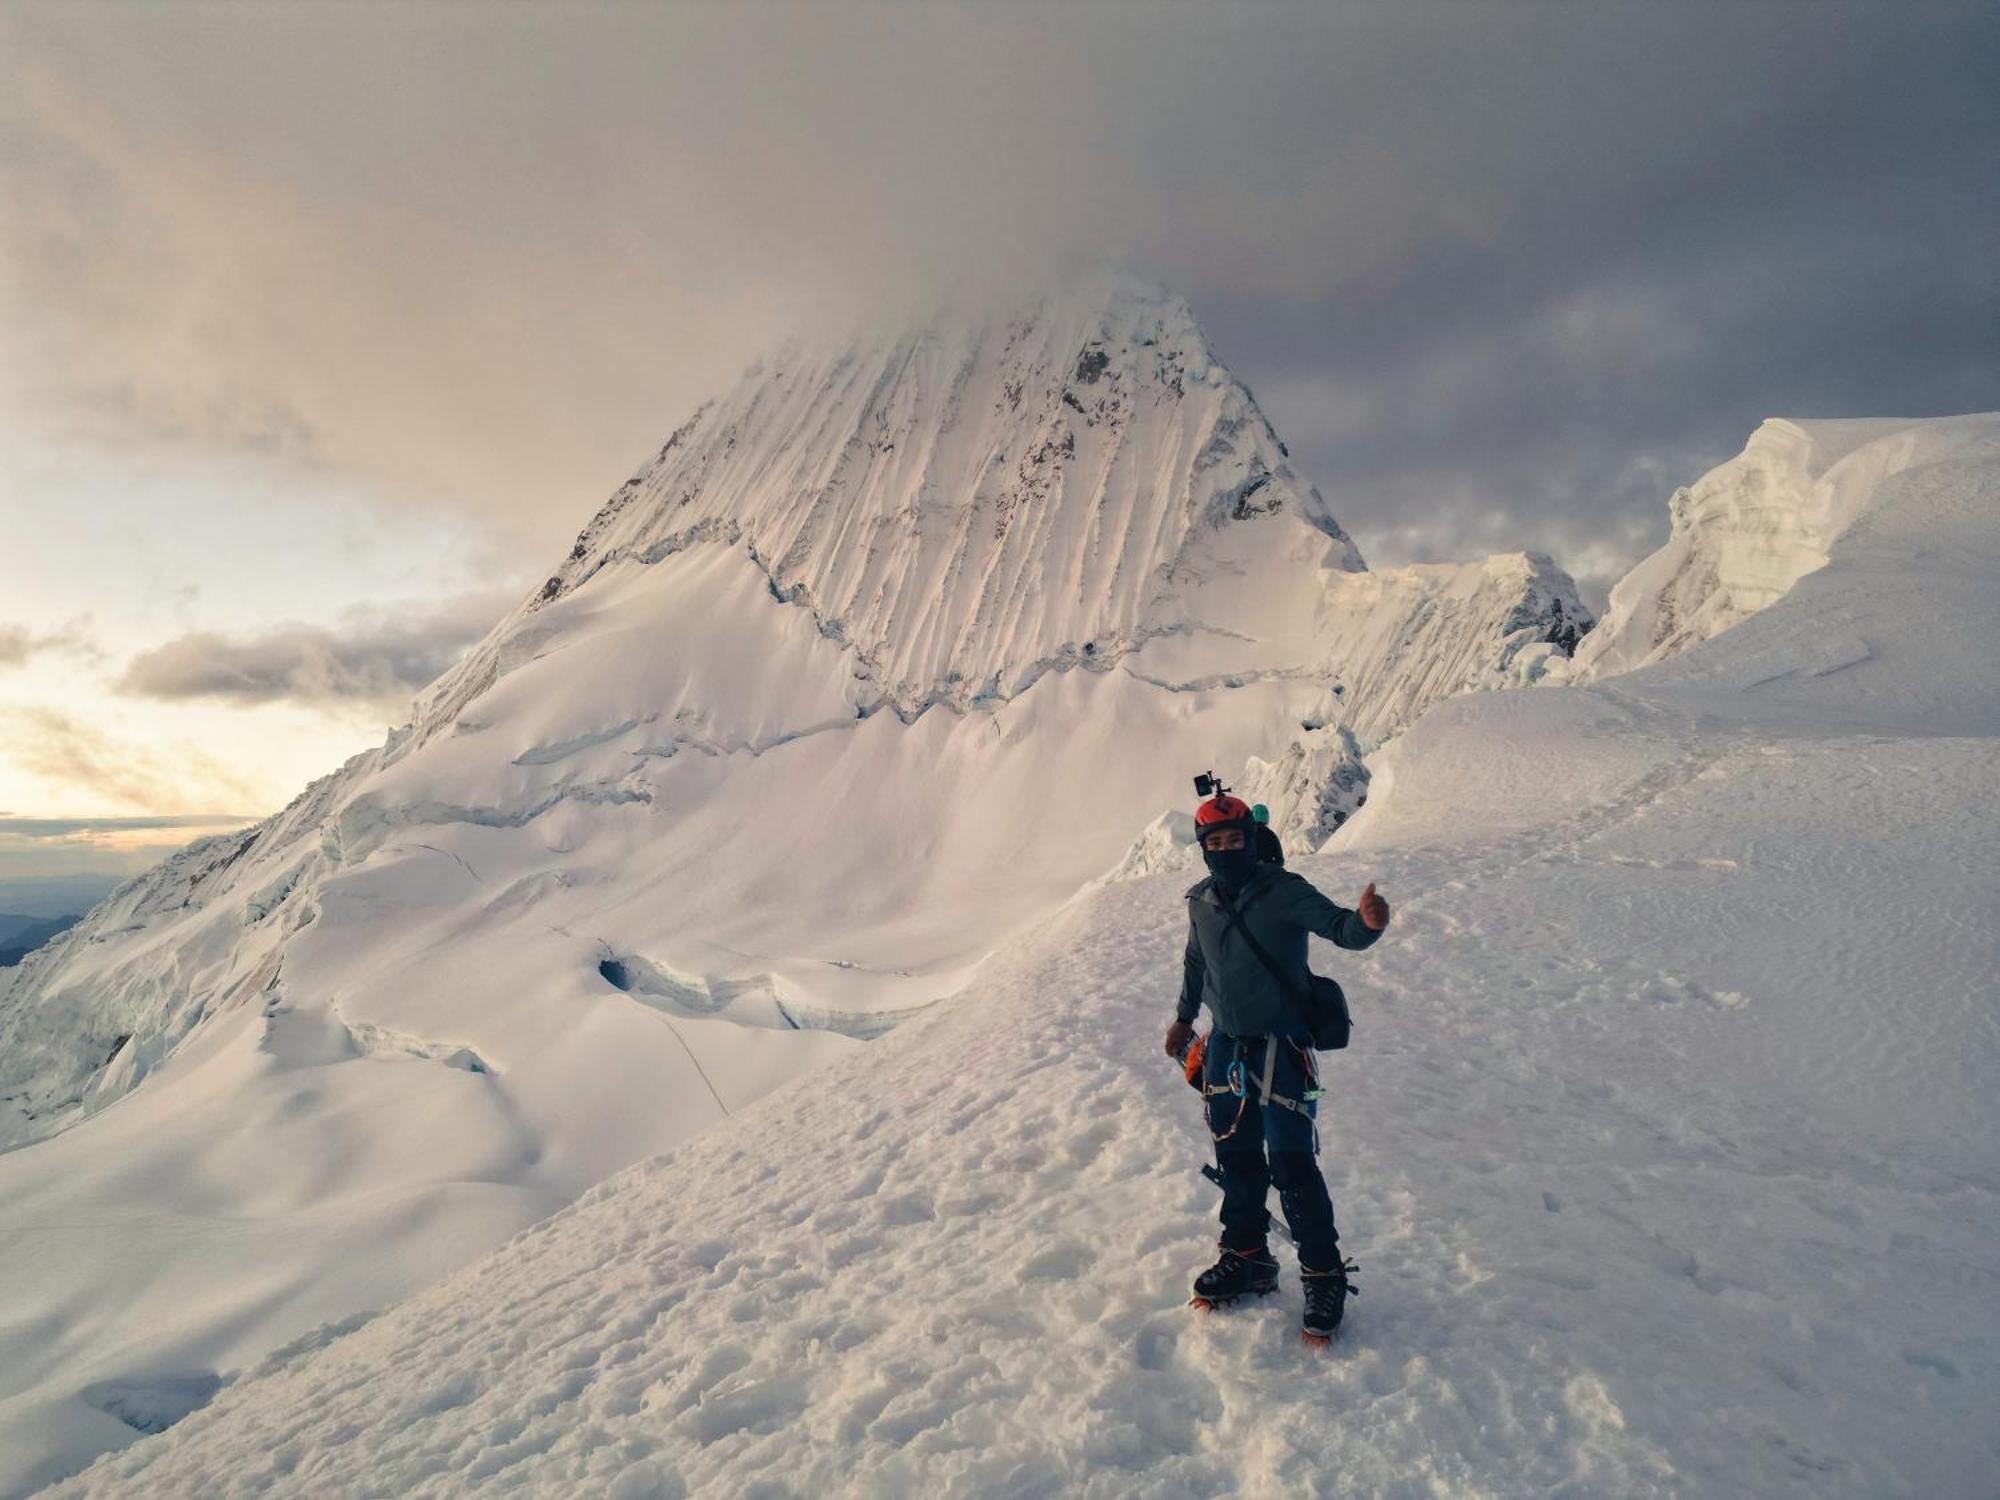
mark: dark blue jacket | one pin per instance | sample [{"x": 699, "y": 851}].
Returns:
[{"x": 1222, "y": 972}]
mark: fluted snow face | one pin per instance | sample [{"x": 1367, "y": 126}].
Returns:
[
  {"x": 1749, "y": 529},
  {"x": 971, "y": 503},
  {"x": 1402, "y": 639}
]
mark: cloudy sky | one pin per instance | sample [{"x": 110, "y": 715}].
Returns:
[{"x": 327, "y": 326}]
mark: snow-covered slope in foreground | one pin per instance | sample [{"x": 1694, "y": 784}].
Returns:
[{"x": 1666, "y": 1147}]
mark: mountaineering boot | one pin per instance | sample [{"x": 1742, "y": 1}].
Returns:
[
  {"x": 1326, "y": 1297},
  {"x": 1239, "y": 1273}
]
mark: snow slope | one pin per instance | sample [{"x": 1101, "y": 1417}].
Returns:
[
  {"x": 1666, "y": 1148},
  {"x": 887, "y": 655}
]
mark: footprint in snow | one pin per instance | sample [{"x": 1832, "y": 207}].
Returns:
[
  {"x": 904, "y": 1208},
  {"x": 1155, "y": 1348},
  {"x": 1061, "y": 1262}
]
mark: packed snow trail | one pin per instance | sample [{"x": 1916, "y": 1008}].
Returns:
[{"x": 1665, "y": 1148}]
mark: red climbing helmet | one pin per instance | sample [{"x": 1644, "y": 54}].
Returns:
[{"x": 1222, "y": 811}]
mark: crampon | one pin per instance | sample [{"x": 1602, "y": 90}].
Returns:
[
  {"x": 1238, "y": 1274},
  {"x": 1326, "y": 1298}
]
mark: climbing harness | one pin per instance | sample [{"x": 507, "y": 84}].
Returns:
[{"x": 1236, "y": 1082}]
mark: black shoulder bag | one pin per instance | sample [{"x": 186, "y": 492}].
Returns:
[{"x": 1324, "y": 1001}]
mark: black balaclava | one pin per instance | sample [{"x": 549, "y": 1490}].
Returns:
[{"x": 1232, "y": 867}]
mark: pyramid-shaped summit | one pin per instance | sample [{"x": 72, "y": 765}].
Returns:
[{"x": 970, "y": 502}]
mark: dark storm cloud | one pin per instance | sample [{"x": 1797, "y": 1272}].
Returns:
[
  {"x": 1504, "y": 274},
  {"x": 1773, "y": 218},
  {"x": 373, "y": 655}
]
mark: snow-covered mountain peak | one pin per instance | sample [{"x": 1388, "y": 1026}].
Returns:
[{"x": 969, "y": 502}]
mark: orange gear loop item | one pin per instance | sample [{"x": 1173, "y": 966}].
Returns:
[{"x": 1191, "y": 1060}]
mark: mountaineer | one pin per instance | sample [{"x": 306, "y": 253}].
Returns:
[{"x": 1246, "y": 961}]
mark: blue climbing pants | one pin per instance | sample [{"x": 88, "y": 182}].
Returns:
[{"x": 1259, "y": 1143}]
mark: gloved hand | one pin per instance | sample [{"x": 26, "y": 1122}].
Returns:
[{"x": 1178, "y": 1036}]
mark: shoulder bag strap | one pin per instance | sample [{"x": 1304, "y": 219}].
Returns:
[{"x": 1237, "y": 923}]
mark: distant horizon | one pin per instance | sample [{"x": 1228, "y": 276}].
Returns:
[
  {"x": 56, "y": 895},
  {"x": 53, "y": 867}
]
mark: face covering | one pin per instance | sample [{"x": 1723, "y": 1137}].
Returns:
[{"x": 1231, "y": 867}]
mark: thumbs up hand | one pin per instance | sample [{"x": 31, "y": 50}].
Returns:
[{"x": 1373, "y": 909}]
